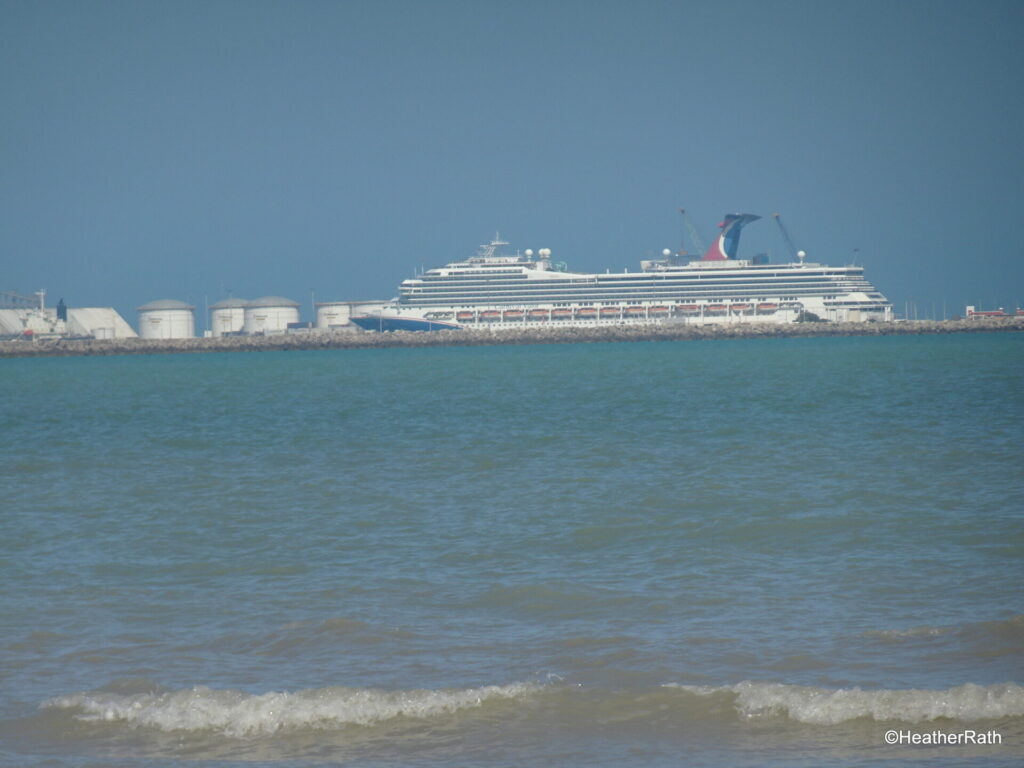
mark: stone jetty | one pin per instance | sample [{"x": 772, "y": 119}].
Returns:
[{"x": 351, "y": 339}]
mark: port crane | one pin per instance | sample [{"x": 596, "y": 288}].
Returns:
[
  {"x": 691, "y": 230},
  {"x": 794, "y": 252}
]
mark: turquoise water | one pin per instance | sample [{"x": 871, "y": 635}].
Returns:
[{"x": 733, "y": 552}]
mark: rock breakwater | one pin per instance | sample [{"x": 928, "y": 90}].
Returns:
[{"x": 550, "y": 335}]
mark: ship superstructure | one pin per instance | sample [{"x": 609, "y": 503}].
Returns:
[{"x": 500, "y": 290}]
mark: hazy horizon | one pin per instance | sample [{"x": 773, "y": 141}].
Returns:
[{"x": 192, "y": 150}]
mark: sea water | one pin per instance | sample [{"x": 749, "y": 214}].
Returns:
[{"x": 711, "y": 553}]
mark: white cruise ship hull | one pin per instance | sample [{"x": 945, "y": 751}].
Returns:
[
  {"x": 499, "y": 317},
  {"x": 496, "y": 292}
]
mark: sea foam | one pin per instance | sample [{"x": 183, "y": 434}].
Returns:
[
  {"x": 823, "y": 706},
  {"x": 238, "y": 714}
]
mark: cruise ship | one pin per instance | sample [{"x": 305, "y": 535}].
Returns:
[{"x": 498, "y": 290}]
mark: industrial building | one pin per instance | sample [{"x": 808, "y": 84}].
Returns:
[{"x": 29, "y": 317}]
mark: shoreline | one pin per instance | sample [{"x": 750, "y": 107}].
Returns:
[{"x": 314, "y": 340}]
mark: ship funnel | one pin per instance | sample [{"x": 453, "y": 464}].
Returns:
[{"x": 728, "y": 240}]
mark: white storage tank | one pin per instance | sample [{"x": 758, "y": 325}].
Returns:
[
  {"x": 227, "y": 316},
  {"x": 167, "y": 319},
  {"x": 366, "y": 307},
  {"x": 333, "y": 314},
  {"x": 271, "y": 314}
]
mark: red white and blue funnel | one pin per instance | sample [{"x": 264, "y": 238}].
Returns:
[{"x": 728, "y": 240}]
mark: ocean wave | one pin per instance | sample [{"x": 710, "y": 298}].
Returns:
[
  {"x": 823, "y": 706},
  {"x": 237, "y": 714},
  {"x": 1000, "y": 630},
  {"x": 906, "y": 634}
]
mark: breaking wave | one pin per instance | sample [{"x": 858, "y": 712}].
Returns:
[
  {"x": 237, "y": 714},
  {"x": 823, "y": 706}
]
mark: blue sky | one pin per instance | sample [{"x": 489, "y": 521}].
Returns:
[{"x": 187, "y": 149}]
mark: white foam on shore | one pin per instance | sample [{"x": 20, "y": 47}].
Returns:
[
  {"x": 238, "y": 714},
  {"x": 823, "y": 706}
]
